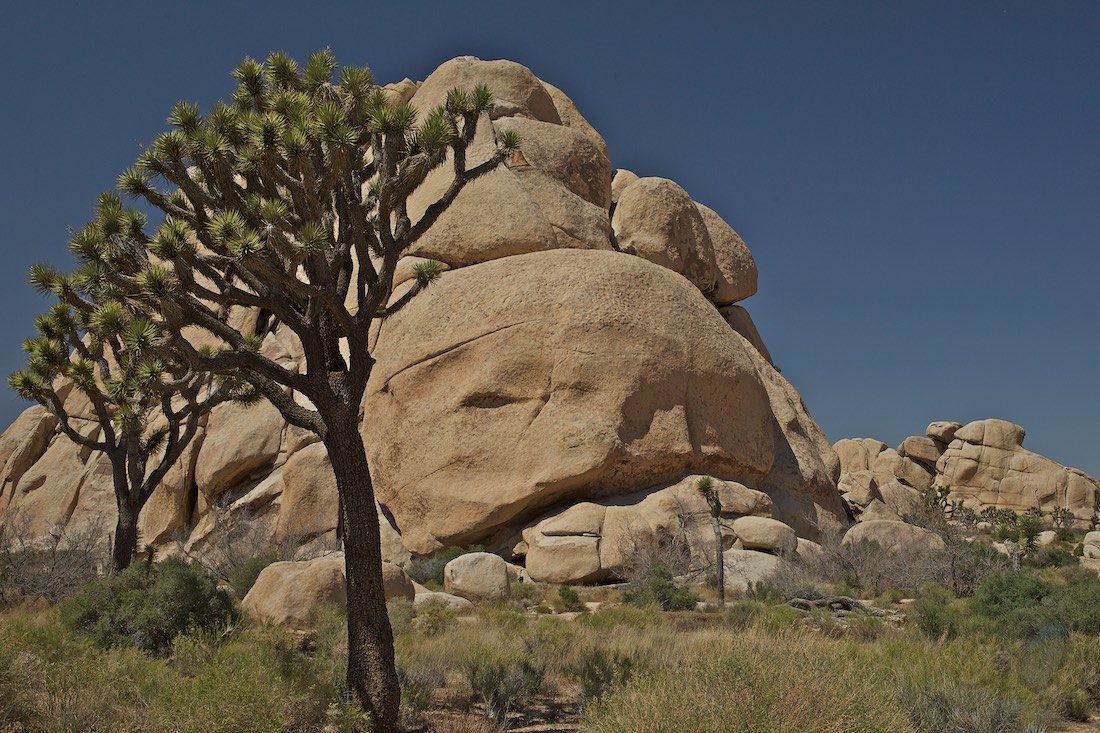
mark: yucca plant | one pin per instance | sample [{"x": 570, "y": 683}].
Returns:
[
  {"x": 292, "y": 200},
  {"x": 146, "y": 403},
  {"x": 706, "y": 488}
]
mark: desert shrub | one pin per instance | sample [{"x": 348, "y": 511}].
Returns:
[
  {"x": 936, "y": 619},
  {"x": 1007, "y": 592},
  {"x": 242, "y": 577},
  {"x": 610, "y": 617},
  {"x": 418, "y": 685},
  {"x": 527, "y": 595},
  {"x": 148, "y": 605},
  {"x": 402, "y": 615},
  {"x": 599, "y": 671},
  {"x": 741, "y": 614},
  {"x": 51, "y": 568},
  {"x": 429, "y": 569},
  {"x": 500, "y": 683},
  {"x": 1077, "y": 601},
  {"x": 433, "y": 619},
  {"x": 1050, "y": 557},
  {"x": 568, "y": 599},
  {"x": 944, "y": 705},
  {"x": 659, "y": 589}
]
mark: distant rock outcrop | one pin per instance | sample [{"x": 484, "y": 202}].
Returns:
[{"x": 981, "y": 464}]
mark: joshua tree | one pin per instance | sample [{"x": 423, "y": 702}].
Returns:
[
  {"x": 144, "y": 404},
  {"x": 709, "y": 491},
  {"x": 292, "y": 202}
]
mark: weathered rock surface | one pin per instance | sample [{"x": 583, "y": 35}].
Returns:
[
  {"x": 982, "y": 464},
  {"x": 592, "y": 542},
  {"x": 894, "y": 536},
  {"x": 565, "y": 386},
  {"x": 656, "y": 220},
  {"x": 987, "y": 465},
  {"x": 745, "y": 567},
  {"x": 766, "y": 534},
  {"x": 1091, "y": 545}
]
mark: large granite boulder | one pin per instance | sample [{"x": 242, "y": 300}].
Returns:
[{"x": 566, "y": 386}]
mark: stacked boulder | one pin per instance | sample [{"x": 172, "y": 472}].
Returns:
[
  {"x": 980, "y": 464},
  {"x": 583, "y": 353}
]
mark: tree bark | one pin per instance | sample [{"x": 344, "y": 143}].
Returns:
[
  {"x": 720, "y": 558},
  {"x": 372, "y": 675},
  {"x": 125, "y": 541}
]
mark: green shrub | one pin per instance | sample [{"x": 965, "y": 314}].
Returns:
[
  {"x": 935, "y": 619},
  {"x": 569, "y": 599},
  {"x": 402, "y": 614},
  {"x": 500, "y": 684},
  {"x": 658, "y": 588},
  {"x": 600, "y": 671},
  {"x": 1005, "y": 593},
  {"x": 1050, "y": 557},
  {"x": 148, "y": 605},
  {"x": 433, "y": 619},
  {"x": 418, "y": 685},
  {"x": 741, "y": 614},
  {"x": 1077, "y": 601},
  {"x": 430, "y": 569},
  {"x": 243, "y": 577}
]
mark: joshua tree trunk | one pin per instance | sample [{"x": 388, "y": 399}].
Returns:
[
  {"x": 372, "y": 675},
  {"x": 125, "y": 540},
  {"x": 719, "y": 559}
]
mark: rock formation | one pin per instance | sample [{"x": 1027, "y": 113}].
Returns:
[
  {"x": 581, "y": 356},
  {"x": 981, "y": 464}
]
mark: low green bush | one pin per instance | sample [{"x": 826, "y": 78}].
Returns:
[
  {"x": 243, "y": 577},
  {"x": 148, "y": 605},
  {"x": 1050, "y": 557},
  {"x": 499, "y": 684},
  {"x": 430, "y": 569},
  {"x": 568, "y": 599},
  {"x": 600, "y": 671},
  {"x": 658, "y": 588}
]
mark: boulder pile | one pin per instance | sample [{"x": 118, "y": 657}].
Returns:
[
  {"x": 980, "y": 464},
  {"x": 580, "y": 360}
]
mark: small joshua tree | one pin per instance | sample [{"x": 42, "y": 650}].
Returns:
[
  {"x": 292, "y": 201},
  {"x": 145, "y": 405},
  {"x": 709, "y": 491}
]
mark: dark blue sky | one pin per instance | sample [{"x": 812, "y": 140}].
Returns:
[{"x": 919, "y": 182}]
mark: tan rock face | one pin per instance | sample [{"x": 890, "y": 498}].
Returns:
[
  {"x": 239, "y": 441},
  {"x": 1091, "y": 545},
  {"x": 986, "y": 465},
  {"x": 656, "y": 220},
  {"x": 942, "y": 431},
  {"x": 525, "y": 378},
  {"x": 598, "y": 542},
  {"x": 735, "y": 269},
  {"x": 740, "y": 321},
  {"x": 894, "y": 536},
  {"x": 745, "y": 567}
]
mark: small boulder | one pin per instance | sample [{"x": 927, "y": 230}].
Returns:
[
  {"x": 656, "y": 220},
  {"x": 1092, "y": 545},
  {"x": 477, "y": 576},
  {"x": 749, "y": 566},
  {"x": 769, "y": 535},
  {"x": 809, "y": 550},
  {"x": 426, "y": 598},
  {"x": 942, "y": 430}
]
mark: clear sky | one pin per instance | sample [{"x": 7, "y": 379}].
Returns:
[{"x": 919, "y": 182}]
